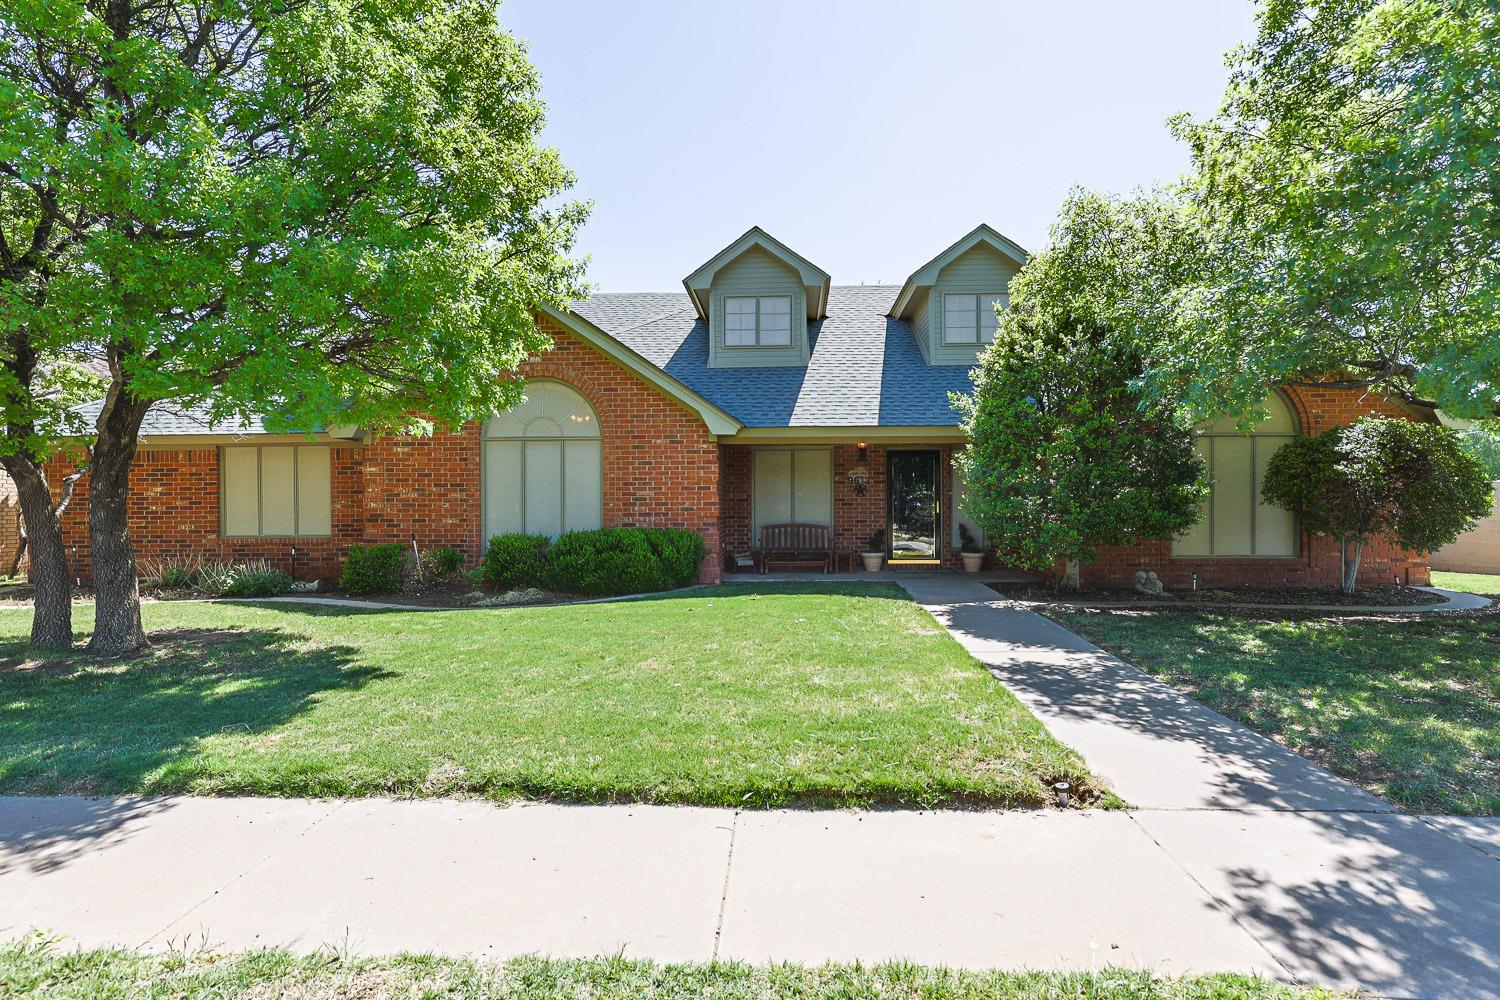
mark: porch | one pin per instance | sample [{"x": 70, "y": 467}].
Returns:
[
  {"x": 902, "y": 495},
  {"x": 998, "y": 575}
]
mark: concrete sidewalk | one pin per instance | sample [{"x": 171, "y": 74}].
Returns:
[{"x": 1385, "y": 902}]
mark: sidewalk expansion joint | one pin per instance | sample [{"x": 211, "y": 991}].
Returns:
[
  {"x": 1219, "y": 904},
  {"x": 734, "y": 827},
  {"x": 253, "y": 865}
]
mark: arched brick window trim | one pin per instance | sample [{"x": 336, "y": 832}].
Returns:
[
  {"x": 574, "y": 379},
  {"x": 1298, "y": 403}
]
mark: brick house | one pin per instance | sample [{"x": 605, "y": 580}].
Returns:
[{"x": 761, "y": 394}]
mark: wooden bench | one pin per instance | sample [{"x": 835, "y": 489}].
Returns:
[{"x": 795, "y": 545}]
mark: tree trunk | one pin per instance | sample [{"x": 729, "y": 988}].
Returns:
[
  {"x": 117, "y": 596},
  {"x": 1071, "y": 578},
  {"x": 1349, "y": 564},
  {"x": 52, "y": 614}
]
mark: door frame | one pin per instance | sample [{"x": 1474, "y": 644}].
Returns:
[{"x": 939, "y": 549}]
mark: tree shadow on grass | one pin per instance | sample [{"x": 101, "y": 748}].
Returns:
[{"x": 76, "y": 725}]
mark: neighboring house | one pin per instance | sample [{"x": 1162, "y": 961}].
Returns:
[
  {"x": 1476, "y": 550},
  {"x": 763, "y": 393}
]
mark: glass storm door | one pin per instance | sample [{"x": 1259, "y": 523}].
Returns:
[{"x": 912, "y": 494}]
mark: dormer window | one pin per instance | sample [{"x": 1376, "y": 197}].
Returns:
[
  {"x": 971, "y": 319},
  {"x": 758, "y": 321},
  {"x": 756, "y": 298}
]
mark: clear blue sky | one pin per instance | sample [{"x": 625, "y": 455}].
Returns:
[{"x": 865, "y": 135}]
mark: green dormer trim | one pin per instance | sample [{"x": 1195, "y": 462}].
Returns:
[
  {"x": 950, "y": 300},
  {"x": 814, "y": 279},
  {"x": 927, "y": 275}
]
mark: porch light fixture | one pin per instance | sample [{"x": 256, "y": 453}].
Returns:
[{"x": 862, "y": 451}]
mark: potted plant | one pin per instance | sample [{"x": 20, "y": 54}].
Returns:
[
  {"x": 875, "y": 555},
  {"x": 969, "y": 550}
]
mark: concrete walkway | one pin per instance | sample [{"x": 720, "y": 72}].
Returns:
[{"x": 1336, "y": 884}]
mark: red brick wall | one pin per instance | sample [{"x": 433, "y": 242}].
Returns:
[
  {"x": 660, "y": 470},
  {"x": 1316, "y": 565}
]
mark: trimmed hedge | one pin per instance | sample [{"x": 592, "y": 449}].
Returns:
[
  {"x": 374, "y": 569},
  {"x": 514, "y": 561},
  {"x": 596, "y": 563}
]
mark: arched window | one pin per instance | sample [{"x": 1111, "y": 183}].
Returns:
[
  {"x": 1235, "y": 522},
  {"x": 543, "y": 464}
]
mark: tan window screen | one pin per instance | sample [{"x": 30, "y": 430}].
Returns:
[
  {"x": 544, "y": 464},
  {"x": 1234, "y": 521},
  {"x": 276, "y": 491}
]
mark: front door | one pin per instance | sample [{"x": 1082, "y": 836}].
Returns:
[{"x": 914, "y": 510}]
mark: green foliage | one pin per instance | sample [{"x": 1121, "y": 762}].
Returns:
[
  {"x": 374, "y": 569},
  {"x": 623, "y": 560},
  {"x": 1483, "y": 442},
  {"x": 1375, "y": 476},
  {"x": 876, "y": 541},
  {"x": 678, "y": 555},
  {"x": 514, "y": 561},
  {"x": 445, "y": 559},
  {"x": 254, "y": 580},
  {"x": 1065, "y": 453},
  {"x": 597, "y": 563},
  {"x": 176, "y": 576},
  {"x": 329, "y": 211},
  {"x": 221, "y": 578},
  {"x": 1346, "y": 187},
  {"x": 966, "y": 540}
]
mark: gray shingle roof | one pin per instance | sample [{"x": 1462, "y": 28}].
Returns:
[
  {"x": 167, "y": 419},
  {"x": 865, "y": 368}
]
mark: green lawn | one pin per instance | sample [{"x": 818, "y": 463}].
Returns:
[
  {"x": 1409, "y": 708},
  {"x": 754, "y": 695},
  {"x": 1487, "y": 584},
  {"x": 30, "y": 968}
]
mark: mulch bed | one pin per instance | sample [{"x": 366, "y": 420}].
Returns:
[
  {"x": 469, "y": 598},
  {"x": 1388, "y": 597}
]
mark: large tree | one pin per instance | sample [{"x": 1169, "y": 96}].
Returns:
[
  {"x": 1349, "y": 184},
  {"x": 1066, "y": 453},
  {"x": 315, "y": 210}
]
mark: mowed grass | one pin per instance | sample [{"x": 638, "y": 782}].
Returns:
[
  {"x": 1487, "y": 584},
  {"x": 737, "y": 695},
  {"x": 1408, "y": 707},
  {"x": 32, "y": 968}
]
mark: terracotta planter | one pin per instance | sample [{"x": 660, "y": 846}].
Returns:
[
  {"x": 872, "y": 561},
  {"x": 972, "y": 561}
]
